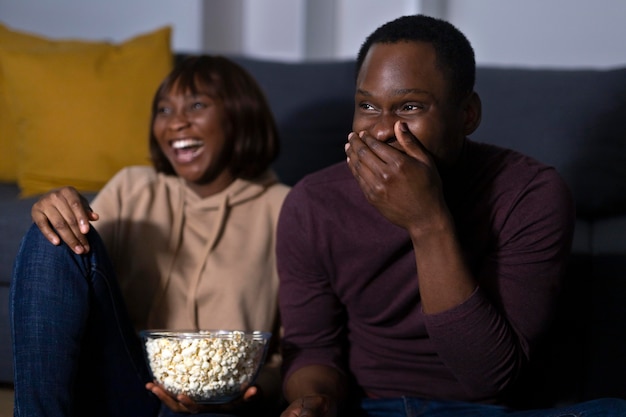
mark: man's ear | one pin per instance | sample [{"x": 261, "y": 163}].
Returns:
[{"x": 473, "y": 110}]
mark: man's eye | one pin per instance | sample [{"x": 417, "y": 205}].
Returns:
[
  {"x": 411, "y": 107},
  {"x": 366, "y": 106}
]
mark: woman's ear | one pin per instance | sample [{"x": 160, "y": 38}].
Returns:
[{"x": 472, "y": 113}]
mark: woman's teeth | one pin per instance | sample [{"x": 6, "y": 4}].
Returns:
[
  {"x": 186, "y": 150},
  {"x": 185, "y": 143}
]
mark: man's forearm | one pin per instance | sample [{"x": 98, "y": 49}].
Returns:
[{"x": 445, "y": 280}]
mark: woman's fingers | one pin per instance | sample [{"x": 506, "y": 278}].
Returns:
[{"x": 64, "y": 215}]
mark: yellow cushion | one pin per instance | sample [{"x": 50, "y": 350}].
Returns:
[
  {"x": 20, "y": 41},
  {"x": 82, "y": 111}
]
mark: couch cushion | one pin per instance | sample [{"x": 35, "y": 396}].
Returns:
[
  {"x": 83, "y": 113},
  {"x": 14, "y": 221},
  {"x": 6, "y": 351},
  {"x": 20, "y": 41},
  {"x": 574, "y": 120}
]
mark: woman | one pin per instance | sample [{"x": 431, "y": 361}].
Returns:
[{"x": 185, "y": 244}]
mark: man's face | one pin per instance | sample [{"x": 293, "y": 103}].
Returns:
[{"x": 401, "y": 81}]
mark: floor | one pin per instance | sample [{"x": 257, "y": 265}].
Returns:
[{"x": 6, "y": 401}]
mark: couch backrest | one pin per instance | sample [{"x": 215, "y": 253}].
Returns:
[
  {"x": 573, "y": 120},
  {"x": 313, "y": 106}
]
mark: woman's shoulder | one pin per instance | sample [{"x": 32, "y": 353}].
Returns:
[
  {"x": 134, "y": 178},
  {"x": 134, "y": 184},
  {"x": 270, "y": 199},
  {"x": 130, "y": 181},
  {"x": 143, "y": 173},
  {"x": 266, "y": 189},
  {"x": 278, "y": 191}
]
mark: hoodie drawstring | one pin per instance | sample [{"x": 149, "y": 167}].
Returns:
[
  {"x": 174, "y": 245},
  {"x": 209, "y": 246}
]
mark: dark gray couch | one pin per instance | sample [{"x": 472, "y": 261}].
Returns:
[{"x": 574, "y": 120}]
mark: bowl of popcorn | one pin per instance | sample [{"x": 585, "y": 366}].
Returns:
[{"x": 210, "y": 366}]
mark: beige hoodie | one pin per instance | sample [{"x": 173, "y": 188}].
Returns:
[{"x": 185, "y": 262}]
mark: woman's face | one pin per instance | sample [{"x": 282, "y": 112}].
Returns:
[{"x": 189, "y": 129}]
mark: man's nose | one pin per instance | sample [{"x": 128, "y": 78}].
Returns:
[{"x": 383, "y": 129}]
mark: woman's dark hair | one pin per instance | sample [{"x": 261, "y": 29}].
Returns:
[
  {"x": 249, "y": 124},
  {"x": 455, "y": 55}
]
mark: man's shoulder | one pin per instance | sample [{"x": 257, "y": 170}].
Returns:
[
  {"x": 516, "y": 177},
  {"x": 505, "y": 161},
  {"x": 489, "y": 170},
  {"x": 335, "y": 175},
  {"x": 329, "y": 186}
]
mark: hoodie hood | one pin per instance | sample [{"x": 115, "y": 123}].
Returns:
[
  {"x": 191, "y": 207},
  {"x": 238, "y": 192}
]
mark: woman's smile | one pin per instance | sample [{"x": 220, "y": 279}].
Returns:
[{"x": 186, "y": 150}]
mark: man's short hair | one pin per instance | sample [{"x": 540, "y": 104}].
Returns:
[{"x": 454, "y": 53}]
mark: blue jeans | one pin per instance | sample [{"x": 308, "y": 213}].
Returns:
[
  {"x": 75, "y": 351},
  {"x": 414, "y": 407}
]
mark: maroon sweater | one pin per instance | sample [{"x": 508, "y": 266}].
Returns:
[{"x": 349, "y": 286}]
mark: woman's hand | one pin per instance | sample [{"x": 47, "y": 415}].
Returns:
[
  {"x": 64, "y": 215},
  {"x": 184, "y": 404}
]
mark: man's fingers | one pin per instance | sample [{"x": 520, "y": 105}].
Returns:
[
  {"x": 356, "y": 153},
  {"x": 411, "y": 144}
]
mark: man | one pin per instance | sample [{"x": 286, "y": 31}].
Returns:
[{"x": 422, "y": 273}]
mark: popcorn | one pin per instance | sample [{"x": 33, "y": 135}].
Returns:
[{"x": 206, "y": 366}]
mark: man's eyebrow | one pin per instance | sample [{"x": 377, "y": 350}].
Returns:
[
  {"x": 399, "y": 92},
  {"x": 405, "y": 91}
]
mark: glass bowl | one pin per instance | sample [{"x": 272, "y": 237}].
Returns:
[{"x": 210, "y": 366}]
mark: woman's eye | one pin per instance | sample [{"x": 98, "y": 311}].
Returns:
[
  {"x": 198, "y": 105},
  {"x": 163, "y": 110}
]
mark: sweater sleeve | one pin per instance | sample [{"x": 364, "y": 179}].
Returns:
[
  {"x": 309, "y": 309},
  {"x": 107, "y": 205},
  {"x": 487, "y": 340},
  {"x": 109, "y": 202}
]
